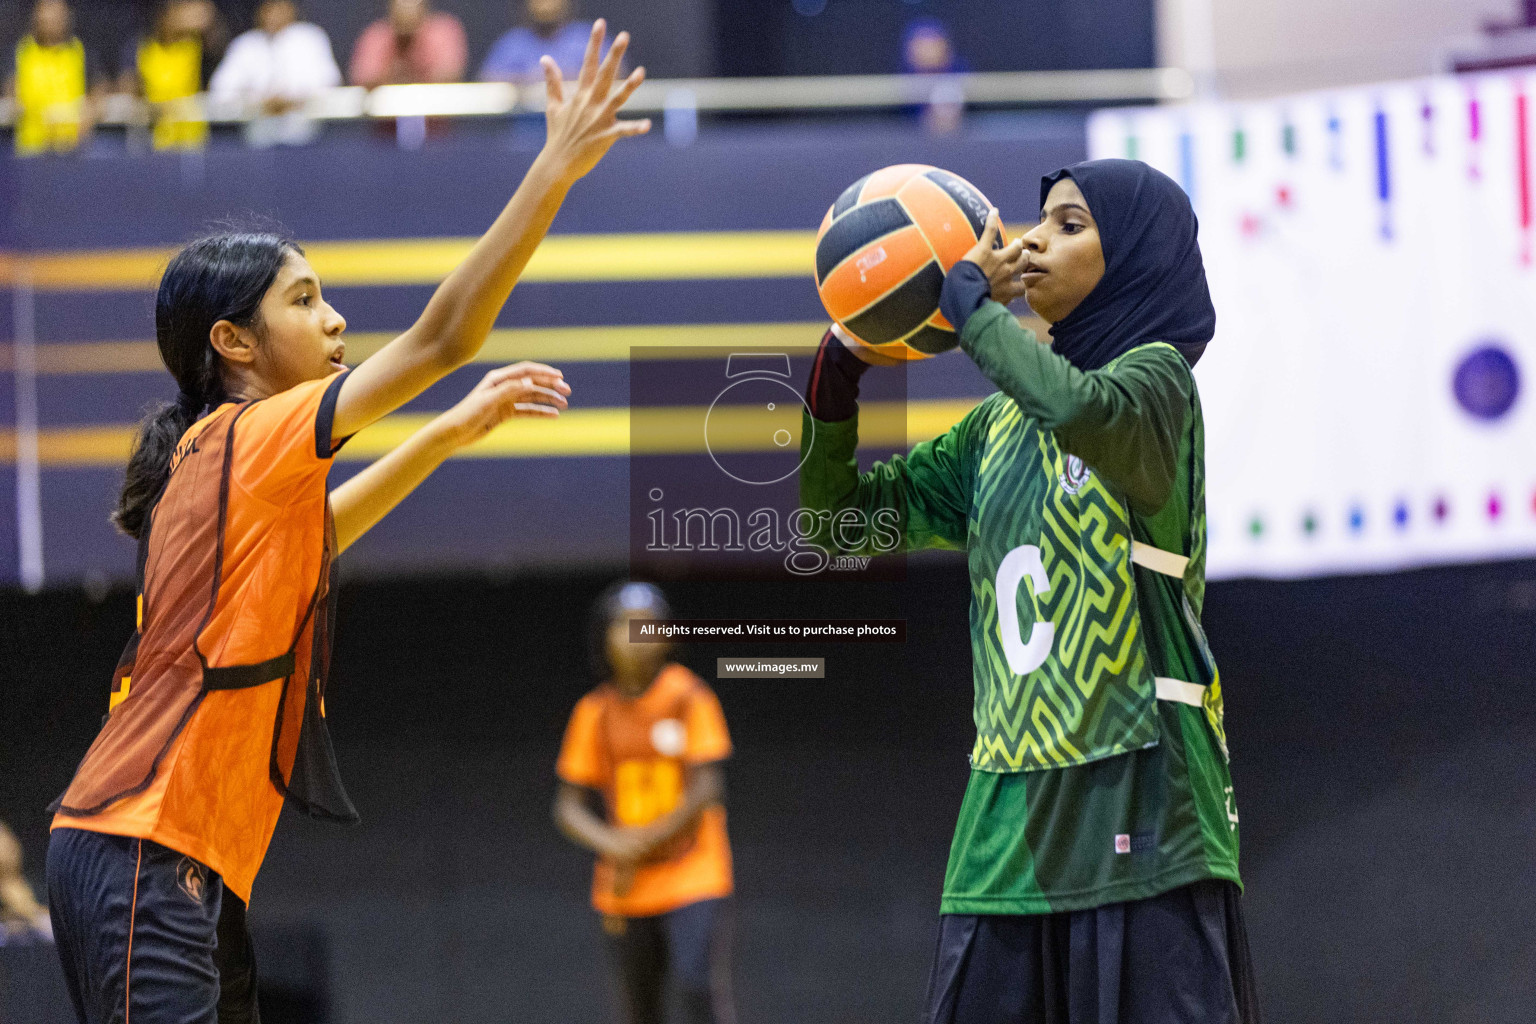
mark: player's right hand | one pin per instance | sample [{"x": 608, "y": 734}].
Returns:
[
  {"x": 1001, "y": 263},
  {"x": 522, "y": 389},
  {"x": 581, "y": 126}
]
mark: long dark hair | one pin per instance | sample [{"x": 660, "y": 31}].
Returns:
[{"x": 220, "y": 277}]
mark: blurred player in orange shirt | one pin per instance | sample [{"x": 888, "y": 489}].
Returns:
[{"x": 650, "y": 740}]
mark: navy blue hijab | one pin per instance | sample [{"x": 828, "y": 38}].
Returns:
[{"x": 1153, "y": 287}]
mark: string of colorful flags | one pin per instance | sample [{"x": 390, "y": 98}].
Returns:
[{"x": 1370, "y": 252}]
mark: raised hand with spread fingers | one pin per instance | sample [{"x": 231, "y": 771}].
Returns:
[{"x": 581, "y": 125}]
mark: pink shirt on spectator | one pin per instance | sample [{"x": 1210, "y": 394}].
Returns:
[{"x": 438, "y": 52}]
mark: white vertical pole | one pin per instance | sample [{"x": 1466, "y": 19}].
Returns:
[
  {"x": 1186, "y": 38},
  {"x": 29, "y": 492}
]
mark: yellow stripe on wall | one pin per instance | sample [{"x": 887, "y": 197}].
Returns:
[
  {"x": 662, "y": 256},
  {"x": 662, "y": 430},
  {"x": 546, "y": 344},
  {"x": 554, "y": 345},
  {"x": 74, "y": 447},
  {"x": 68, "y": 357},
  {"x": 558, "y": 345}
]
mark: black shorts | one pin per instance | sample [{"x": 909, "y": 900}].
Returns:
[
  {"x": 146, "y": 934},
  {"x": 1177, "y": 958}
]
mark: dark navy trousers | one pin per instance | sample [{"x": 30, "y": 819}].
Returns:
[
  {"x": 1177, "y": 958},
  {"x": 690, "y": 947},
  {"x": 146, "y": 934}
]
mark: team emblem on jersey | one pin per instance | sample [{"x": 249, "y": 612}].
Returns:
[
  {"x": 1075, "y": 475},
  {"x": 192, "y": 878},
  {"x": 669, "y": 737}
]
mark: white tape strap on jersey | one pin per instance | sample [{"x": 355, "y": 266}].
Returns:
[
  {"x": 1158, "y": 560},
  {"x": 1179, "y": 690}
]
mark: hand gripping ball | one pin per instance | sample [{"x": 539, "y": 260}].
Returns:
[{"x": 883, "y": 250}]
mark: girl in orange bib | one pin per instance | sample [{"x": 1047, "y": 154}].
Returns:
[{"x": 217, "y": 713}]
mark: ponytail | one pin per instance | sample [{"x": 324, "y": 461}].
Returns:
[
  {"x": 221, "y": 277},
  {"x": 149, "y": 467}
]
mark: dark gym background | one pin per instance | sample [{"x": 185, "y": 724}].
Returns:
[{"x": 1380, "y": 727}]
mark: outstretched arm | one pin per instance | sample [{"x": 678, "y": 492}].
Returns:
[
  {"x": 523, "y": 389},
  {"x": 459, "y": 317},
  {"x": 1126, "y": 421},
  {"x": 908, "y": 502}
]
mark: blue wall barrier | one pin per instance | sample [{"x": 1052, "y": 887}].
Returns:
[{"x": 704, "y": 245}]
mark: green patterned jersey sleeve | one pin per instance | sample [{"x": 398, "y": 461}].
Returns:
[
  {"x": 1125, "y": 420},
  {"x": 919, "y": 500}
]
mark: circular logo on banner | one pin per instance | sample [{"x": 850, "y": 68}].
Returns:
[
  {"x": 1487, "y": 381},
  {"x": 669, "y": 737}
]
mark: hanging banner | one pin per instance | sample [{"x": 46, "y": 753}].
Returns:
[{"x": 1368, "y": 396}]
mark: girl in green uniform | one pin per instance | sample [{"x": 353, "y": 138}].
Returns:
[{"x": 1093, "y": 875}]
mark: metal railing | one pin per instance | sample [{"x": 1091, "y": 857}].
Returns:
[{"x": 693, "y": 95}]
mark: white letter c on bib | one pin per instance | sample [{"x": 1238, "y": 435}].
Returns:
[{"x": 1022, "y": 657}]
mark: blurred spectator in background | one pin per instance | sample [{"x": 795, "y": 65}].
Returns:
[
  {"x": 167, "y": 68},
  {"x": 50, "y": 83},
  {"x": 927, "y": 49},
  {"x": 272, "y": 70},
  {"x": 412, "y": 44},
  {"x": 201, "y": 18},
  {"x": 550, "y": 26},
  {"x": 212, "y": 28},
  {"x": 22, "y": 918}
]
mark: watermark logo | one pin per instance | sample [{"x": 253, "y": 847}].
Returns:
[
  {"x": 809, "y": 539},
  {"x": 759, "y": 411},
  {"x": 719, "y": 441}
]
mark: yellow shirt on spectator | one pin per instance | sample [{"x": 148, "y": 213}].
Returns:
[
  {"x": 50, "y": 95},
  {"x": 172, "y": 75}
]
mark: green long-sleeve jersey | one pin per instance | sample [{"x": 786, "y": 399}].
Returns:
[{"x": 1085, "y": 787}]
